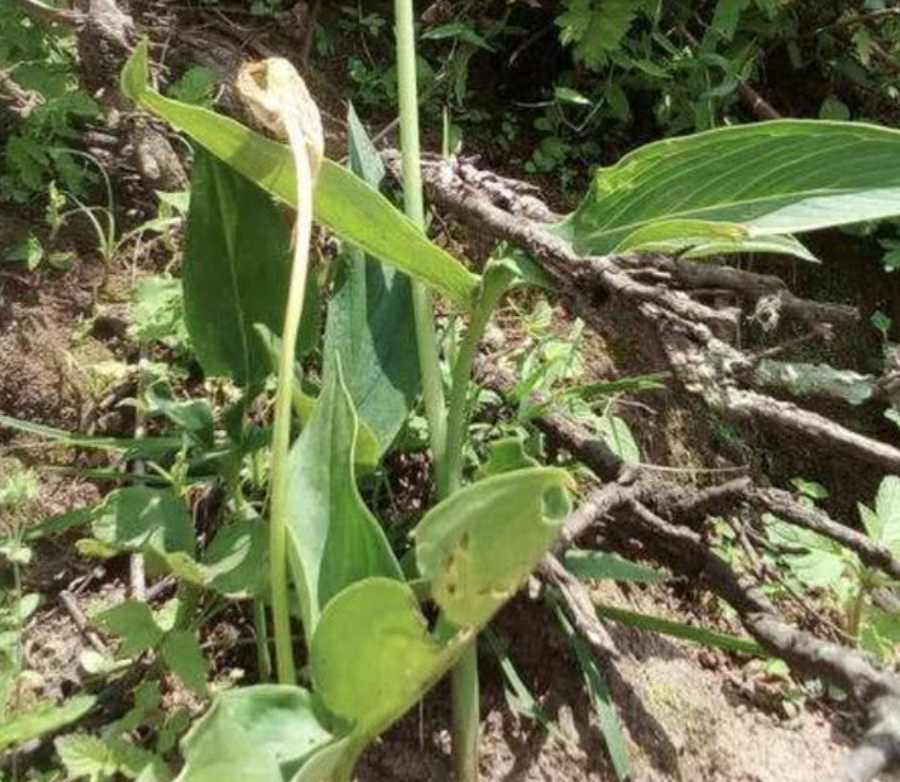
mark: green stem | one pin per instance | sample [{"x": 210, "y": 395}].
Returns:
[
  {"x": 281, "y": 436},
  {"x": 261, "y": 633},
  {"x": 458, "y": 416},
  {"x": 465, "y": 674},
  {"x": 426, "y": 339},
  {"x": 854, "y": 621}
]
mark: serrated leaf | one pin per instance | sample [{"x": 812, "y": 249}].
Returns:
[
  {"x": 595, "y": 28},
  {"x": 772, "y": 178},
  {"x": 335, "y": 540},
  {"x": 183, "y": 655},
  {"x": 133, "y": 621},
  {"x": 86, "y": 757},
  {"x": 477, "y": 545}
]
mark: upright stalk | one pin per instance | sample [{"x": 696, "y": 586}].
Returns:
[
  {"x": 465, "y": 675},
  {"x": 426, "y": 338},
  {"x": 281, "y": 436}
]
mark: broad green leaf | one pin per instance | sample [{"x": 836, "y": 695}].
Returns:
[
  {"x": 676, "y": 235},
  {"x": 887, "y": 505},
  {"x": 235, "y": 563},
  {"x": 264, "y": 733},
  {"x": 478, "y": 545},
  {"x": 601, "y": 565},
  {"x": 823, "y": 565},
  {"x": 335, "y": 540},
  {"x": 134, "y": 622},
  {"x": 372, "y": 656},
  {"x": 237, "y": 266},
  {"x": 343, "y": 202},
  {"x": 324, "y": 763},
  {"x": 507, "y": 455},
  {"x": 368, "y": 451},
  {"x": 183, "y": 655},
  {"x": 771, "y": 178},
  {"x": 43, "y": 718},
  {"x": 880, "y": 633},
  {"x": 142, "y": 519},
  {"x": 371, "y": 321}
]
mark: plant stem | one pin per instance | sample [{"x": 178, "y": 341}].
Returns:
[
  {"x": 466, "y": 700},
  {"x": 458, "y": 415},
  {"x": 446, "y": 460},
  {"x": 426, "y": 339},
  {"x": 260, "y": 626},
  {"x": 281, "y": 437}
]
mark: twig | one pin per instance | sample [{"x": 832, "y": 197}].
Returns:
[
  {"x": 579, "y": 605},
  {"x": 310, "y": 33},
  {"x": 759, "y": 105},
  {"x": 47, "y": 14},
  {"x": 81, "y": 622}
]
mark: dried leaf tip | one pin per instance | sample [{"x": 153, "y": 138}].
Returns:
[{"x": 276, "y": 95}]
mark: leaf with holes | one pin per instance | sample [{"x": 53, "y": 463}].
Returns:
[{"x": 476, "y": 546}]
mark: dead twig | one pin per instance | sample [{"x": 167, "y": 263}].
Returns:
[{"x": 73, "y": 610}]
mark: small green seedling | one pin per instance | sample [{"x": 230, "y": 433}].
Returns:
[{"x": 865, "y": 596}]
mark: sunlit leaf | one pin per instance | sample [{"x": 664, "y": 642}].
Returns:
[
  {"x": 343, "y": 202},
  {"x": 478, "y": 545},
  {"x": 373, "y": 656},
  {"x": 43, "y": 718},
  {"x": 141, "y": 519},
  {"x": 770, "y": 178},
  {"x": 371, "y": 322},
  {"x": 335, "y": 540},
  {"x": 264, "y": 733}
]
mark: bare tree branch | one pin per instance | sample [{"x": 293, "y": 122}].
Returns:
[{"x": 49, "y": 15}]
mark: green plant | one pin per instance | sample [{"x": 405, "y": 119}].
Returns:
[
  {"x": 865, "y": 597},
  {"x": 353, "y": 592},
  {"x": 41, "y": 60}
]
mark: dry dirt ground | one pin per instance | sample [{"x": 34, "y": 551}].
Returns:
[{"x": 689, "y": 713}]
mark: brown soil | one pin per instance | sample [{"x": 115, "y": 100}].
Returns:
[{"x": 689, "y": 714}]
